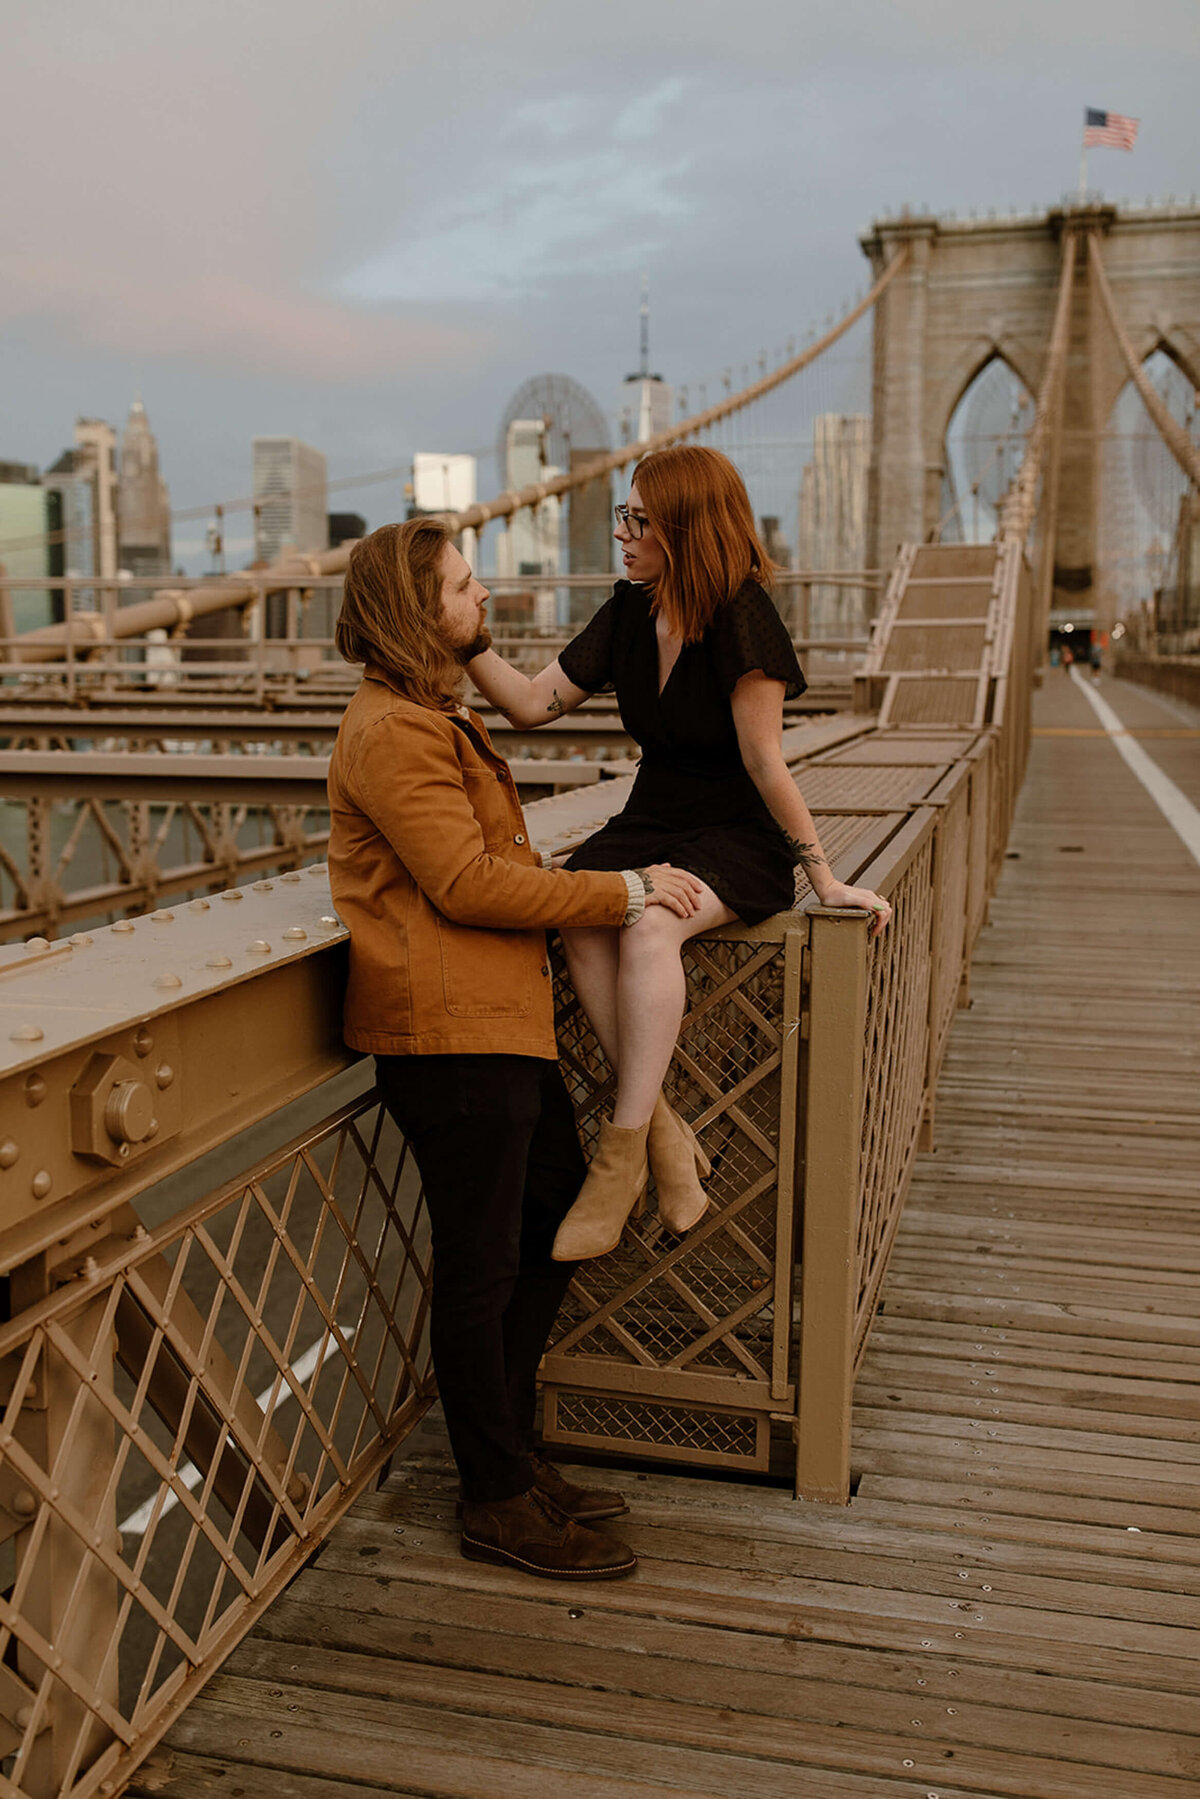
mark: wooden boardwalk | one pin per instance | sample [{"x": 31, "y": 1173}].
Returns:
[{"x": 1009, "y": 1606}]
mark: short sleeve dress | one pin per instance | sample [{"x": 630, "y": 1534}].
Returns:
[{"x": 692, "y": 804}]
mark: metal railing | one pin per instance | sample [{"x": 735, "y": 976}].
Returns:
[{"x": 202, "y": 1371}]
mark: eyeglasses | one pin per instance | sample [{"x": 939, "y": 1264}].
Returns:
[{"x": 634, "y": 522}]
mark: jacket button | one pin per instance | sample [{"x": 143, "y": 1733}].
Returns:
[
  {"x": 519, "y": 838},
  {"x": 502, "y": 774},
  {"x": 545, "y": 969}
]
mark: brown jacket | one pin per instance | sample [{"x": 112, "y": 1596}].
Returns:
[{"x": 432, "y": 873}]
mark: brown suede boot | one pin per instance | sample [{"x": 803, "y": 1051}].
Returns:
[
  {"x": 587, "y": 1505},
  {"x": 615, "y": 1183},
  {"x": 677, "y": 1161},
  {"x": 530, "y": 1533}
]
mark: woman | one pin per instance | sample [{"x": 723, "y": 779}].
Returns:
[
  {"x": 446, "y": 904},
  {"x": 701, "y": 663}
]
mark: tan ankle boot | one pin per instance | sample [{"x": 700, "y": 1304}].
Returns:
[
  {"x": 678, "y": 1162},
  {"x": 615, "y": 1183}
]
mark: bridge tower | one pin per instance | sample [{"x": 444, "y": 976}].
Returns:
[{"x": 977, "y": 289}]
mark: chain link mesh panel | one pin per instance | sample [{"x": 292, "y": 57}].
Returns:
[
  {"x": 183, "y": 1422},
  {"x": 703, "y": 1303}
]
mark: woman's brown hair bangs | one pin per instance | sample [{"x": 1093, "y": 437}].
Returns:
[
  {"x": 392, "y": 607},
  {"x": 700, "y": 512}
]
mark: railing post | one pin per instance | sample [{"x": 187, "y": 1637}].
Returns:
[{"x": 829, "y": 1239}]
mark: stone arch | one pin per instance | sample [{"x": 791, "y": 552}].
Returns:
[
  {"x": 1182, "y": 346},
  {"x": 966, "y": 462},
  {"x": 948, "y": 394}
]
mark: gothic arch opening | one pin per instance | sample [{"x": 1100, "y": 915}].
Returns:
[
  {"x": 984, "y": 443},
  {"x": 1147, "y": 515}
]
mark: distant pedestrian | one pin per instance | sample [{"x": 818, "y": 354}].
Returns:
[
  {"x": 1096, "y": 658},
  {"x": 1068, "y": 657}
]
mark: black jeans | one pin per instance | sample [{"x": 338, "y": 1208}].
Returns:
[{"x": 495, "y": 1141}]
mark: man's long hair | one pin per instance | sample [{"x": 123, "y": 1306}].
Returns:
[
  {"x": 392, "y": 610},
  {"x": 700, "y": 512}
]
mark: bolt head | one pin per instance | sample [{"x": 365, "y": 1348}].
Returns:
[{"x": 41, "y": 1183}]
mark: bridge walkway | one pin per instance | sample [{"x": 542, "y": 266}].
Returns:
[{"x": 1008, "y": 1606}]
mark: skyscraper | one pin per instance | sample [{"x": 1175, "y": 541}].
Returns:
[
  {"x": 143, "y": 507},
  {"x": 647, "y": 403},
  {"x": 289, "y": 487},
  {"x": 832, "y": 521}
]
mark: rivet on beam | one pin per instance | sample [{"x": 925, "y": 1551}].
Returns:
[
  {"x": 164, "y": 1074},
  {"x": 293, "y": 874},
  {"x": 8, "y": 1153},
  {"x": 332, "y": 924},
  {"x": 41, "y": 1184},
  {"x": 295, "y": 933},
  {"x": 232, "y": 893},
  {"x": 199, "y": 905},
  {"x": 35, "y": 1088},
  {"x": 80, "y": 939},
  {"x": 143, "y": 1042},
  {"x": 37, "y": 943},
  {"x": 123, "y": 925},
  {"x": 167, "y": 980},
  {"x": 163, "y": 917},
  {"x": 218, "y": 962},
  {"x": 258, "y": 948},
  {"x": 26, "y": 1033},
  {"x": 317, "y": 868},
  {"x": 263, "y": 886}
]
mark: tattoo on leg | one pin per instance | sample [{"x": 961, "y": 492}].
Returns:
[
  {"x": 807, "y": 855},
  {"x": 556, "y": 707}
]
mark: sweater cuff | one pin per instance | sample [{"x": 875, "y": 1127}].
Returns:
[{"x": 635, "y": 887}]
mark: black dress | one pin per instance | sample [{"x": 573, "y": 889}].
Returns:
[{"x": 693, "y": 804}]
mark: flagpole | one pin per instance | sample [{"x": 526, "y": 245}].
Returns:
[{"x": 1083, "y": 163}]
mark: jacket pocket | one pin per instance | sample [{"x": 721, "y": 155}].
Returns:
[{"x": 486, "y": 974}]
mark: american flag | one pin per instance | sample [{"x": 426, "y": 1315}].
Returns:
[{"x": 1108, "y": 129}]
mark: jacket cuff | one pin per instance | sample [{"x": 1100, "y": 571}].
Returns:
[{"x": 635, "y": 887}]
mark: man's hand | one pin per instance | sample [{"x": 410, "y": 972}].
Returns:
[{"x": 672, "y": 887}]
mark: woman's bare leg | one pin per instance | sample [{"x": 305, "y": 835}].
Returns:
[
  {"x": 650, "y": 995},
  {"x": 592, "y": 954}
]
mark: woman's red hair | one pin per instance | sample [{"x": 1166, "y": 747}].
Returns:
[{"x": 700, "y": 512}]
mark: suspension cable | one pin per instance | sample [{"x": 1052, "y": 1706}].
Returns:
[
  {"x": 1021, "y": 499},
  {"x": 1185, "y": 452}
]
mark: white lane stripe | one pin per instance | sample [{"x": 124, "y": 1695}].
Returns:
[
  {"x": 1175, "y": 806},
  {"x": 137, "y": 1522}
]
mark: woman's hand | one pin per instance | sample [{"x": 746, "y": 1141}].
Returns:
[
  {"x": 838, "y": 894},
  {"x": 672, "y": 887}
]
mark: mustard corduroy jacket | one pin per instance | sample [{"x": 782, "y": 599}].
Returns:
[{"x": 433, "y": 875}]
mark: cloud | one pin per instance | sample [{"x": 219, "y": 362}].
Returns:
[
  {"x": 222, "y": 319},
  {"x": 546, "y": 208}
]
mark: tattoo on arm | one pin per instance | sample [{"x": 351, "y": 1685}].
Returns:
[
  {"x": 644, "y": 876},
  {"x": 806, "y": 855},
  {"x": 556, "y": 707}
]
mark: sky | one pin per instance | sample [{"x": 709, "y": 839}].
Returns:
[{"x": 367, "y": 224}]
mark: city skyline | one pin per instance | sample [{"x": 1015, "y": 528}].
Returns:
[{"x": 402, "y": 217}]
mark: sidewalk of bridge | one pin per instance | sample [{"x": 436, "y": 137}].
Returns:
[{"x": 1009, "y": 1604}]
